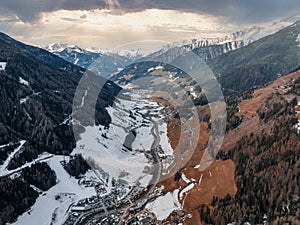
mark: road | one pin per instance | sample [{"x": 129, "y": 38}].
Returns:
[{"x": 97, "y": 213}]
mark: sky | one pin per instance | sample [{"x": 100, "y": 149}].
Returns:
[{"x": 111, "y": 23}]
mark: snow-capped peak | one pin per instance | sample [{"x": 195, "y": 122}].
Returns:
[
  {"x": 246, "y": 35},
  {"x": 133, "y": 53},
  {"x": 75, "y": 48},
  {"x": 59, "y": 47},
  {"x": 56, "y": 47}
]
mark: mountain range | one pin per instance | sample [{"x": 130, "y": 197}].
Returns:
[
  {"x": 108, "y": 63},
  {"x": 37, "y": 89},
  {"x": 255, "y": 64},
  {"x": 104, "y": 64}
]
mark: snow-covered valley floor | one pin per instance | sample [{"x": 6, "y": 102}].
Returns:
[
  {"x": 120, "y": 152},
  {"x": 52, "y": 206},
  {"x": 123, "y": 149}
]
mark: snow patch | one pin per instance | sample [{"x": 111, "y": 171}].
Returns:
[
  {"x": 297, "y": 126},
  {"x": 197, "y": 166},
  {"x": 76, "y": 61},
  {"x": 151, "y": 69},
  {"x": 185, "y": 179},
  {"x": 200, "y": 180},
  {"x": 186, "y": 189},
  {"x": 105, "y": 146},
  {"x": 23, "y": 100},
  {"x": 41, "y": 158},
  {"x": 163, "y": 206},
  {"x": 298, "y": 40},
  {"x": 2, "y": 66},
  {"x": 9, "y": 144},
  {"x": 24, "y": 82},
  {"x": 52, "y": 206},
  {"x": 159, "y": 68}
]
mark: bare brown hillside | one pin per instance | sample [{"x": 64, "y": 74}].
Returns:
[{"x": 256, "y": 173}]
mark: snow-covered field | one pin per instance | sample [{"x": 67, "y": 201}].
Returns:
[
  {"x": 24, "y": 82},
  {"x": 52, "y": 206},
  {"x": 163, "y": 206},
  {"x": 105, "y": 146}
]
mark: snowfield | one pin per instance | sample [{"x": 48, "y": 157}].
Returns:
[
  {"x": 23, "y": 81},
  {"x": 52, "y": 206},
  {"x": 108, "y": 149},
  {"x": 112, "y": 158},
  {"x": 163, "y": 206},
  {"x": 298, "y": 40},
  {"x": 185, "y": 179}
]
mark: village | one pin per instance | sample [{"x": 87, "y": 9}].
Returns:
[{"x": 120, "y": 204}]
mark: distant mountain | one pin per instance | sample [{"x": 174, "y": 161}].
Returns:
[
  {"x": 45, "y": 56},
  {"x": 247, "y": 66},
  {"x": 56, "y": 47},
  {"x": 210, "y": 48},
  {"x": 207, "y": 49},
  {"x": 246, "y": 35},
  {"x": 107, "y": 63},
  {"x": 100, "y": 62},
  {"x": 260, "y": 61},
  {"x": 132, "y": 54}
]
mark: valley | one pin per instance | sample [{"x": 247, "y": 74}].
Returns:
[{"x": 89, "y": 136}]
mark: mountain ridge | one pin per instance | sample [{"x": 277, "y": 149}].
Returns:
[{"x": 260, "y": 61}]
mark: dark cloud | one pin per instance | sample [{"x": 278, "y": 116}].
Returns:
[
  {"x": 235, "y": 10},
  {"x": 29, "y": 10},
  {"x": 264, "y": 10}
]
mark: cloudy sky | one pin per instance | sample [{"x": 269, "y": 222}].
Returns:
[{"x": 110, "y": 23}]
